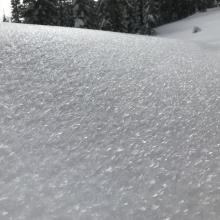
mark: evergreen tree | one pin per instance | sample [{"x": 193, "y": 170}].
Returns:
[
  {"x": 77, "y": 13},
  {"x": 4, "y": 19},
  {"x": 130, "y": 16},
  {"x": 110, "y": 16},
  {"x": 84, "y": 13},
  {"x": 165, "y": 11},
  {"x": 139, "y": 14},
  {"x": 151, "y": 16},
  {"x": 146, "y": 14},
  {"x": 63, "y": 15},
  {"x": 44, "y": 12},
  {"x": 201, "y": 5},
  {"x": 15, "y": 4}
]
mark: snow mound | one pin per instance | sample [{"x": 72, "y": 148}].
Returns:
[
  {"x": 100, "y": 126},
  {"x": 208, "y": 22}
]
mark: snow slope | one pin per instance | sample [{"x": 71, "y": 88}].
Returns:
[
  {"x": 208, "y": 38},
  {"x": 101, "y": 126}
]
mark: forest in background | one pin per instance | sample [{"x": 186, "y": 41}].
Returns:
[{"x": 127, "y": 16}]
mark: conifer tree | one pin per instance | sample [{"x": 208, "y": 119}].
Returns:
[
  {"x": 44, "y": 12},
  {"x": 15, "y": 5},
  {"x": 110, "y": 16},
  {"x": 4, "y": 19},
  {"x": 84, "y": 13},
  {"x": 201, "y": 5},
  {"x": 151, "y": 16},
  {"x": 130, "y": 16},
  {"x": 62, "y": 16}
]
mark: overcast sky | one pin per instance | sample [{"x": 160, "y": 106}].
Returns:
[{"x": 5, "y": 5}]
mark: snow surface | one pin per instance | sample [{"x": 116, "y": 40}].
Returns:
[
  {"x": 208, "y": 38},
  {"x": 101, "y": 126}
]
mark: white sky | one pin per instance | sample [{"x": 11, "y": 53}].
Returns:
[{"x": 6, "y": 6}]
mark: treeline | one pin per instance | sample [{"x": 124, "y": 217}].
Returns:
[{"x": 129, "y": 16}]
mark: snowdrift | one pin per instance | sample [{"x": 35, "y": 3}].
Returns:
[
  {"x": 206, "y": 22},
  {"x": 99, "y": 125}
]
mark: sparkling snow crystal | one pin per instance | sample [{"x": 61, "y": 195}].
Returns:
[{"x": 101, "y": 126}]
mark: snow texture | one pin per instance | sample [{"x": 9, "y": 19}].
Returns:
[{"x": 106, "y": 126}]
